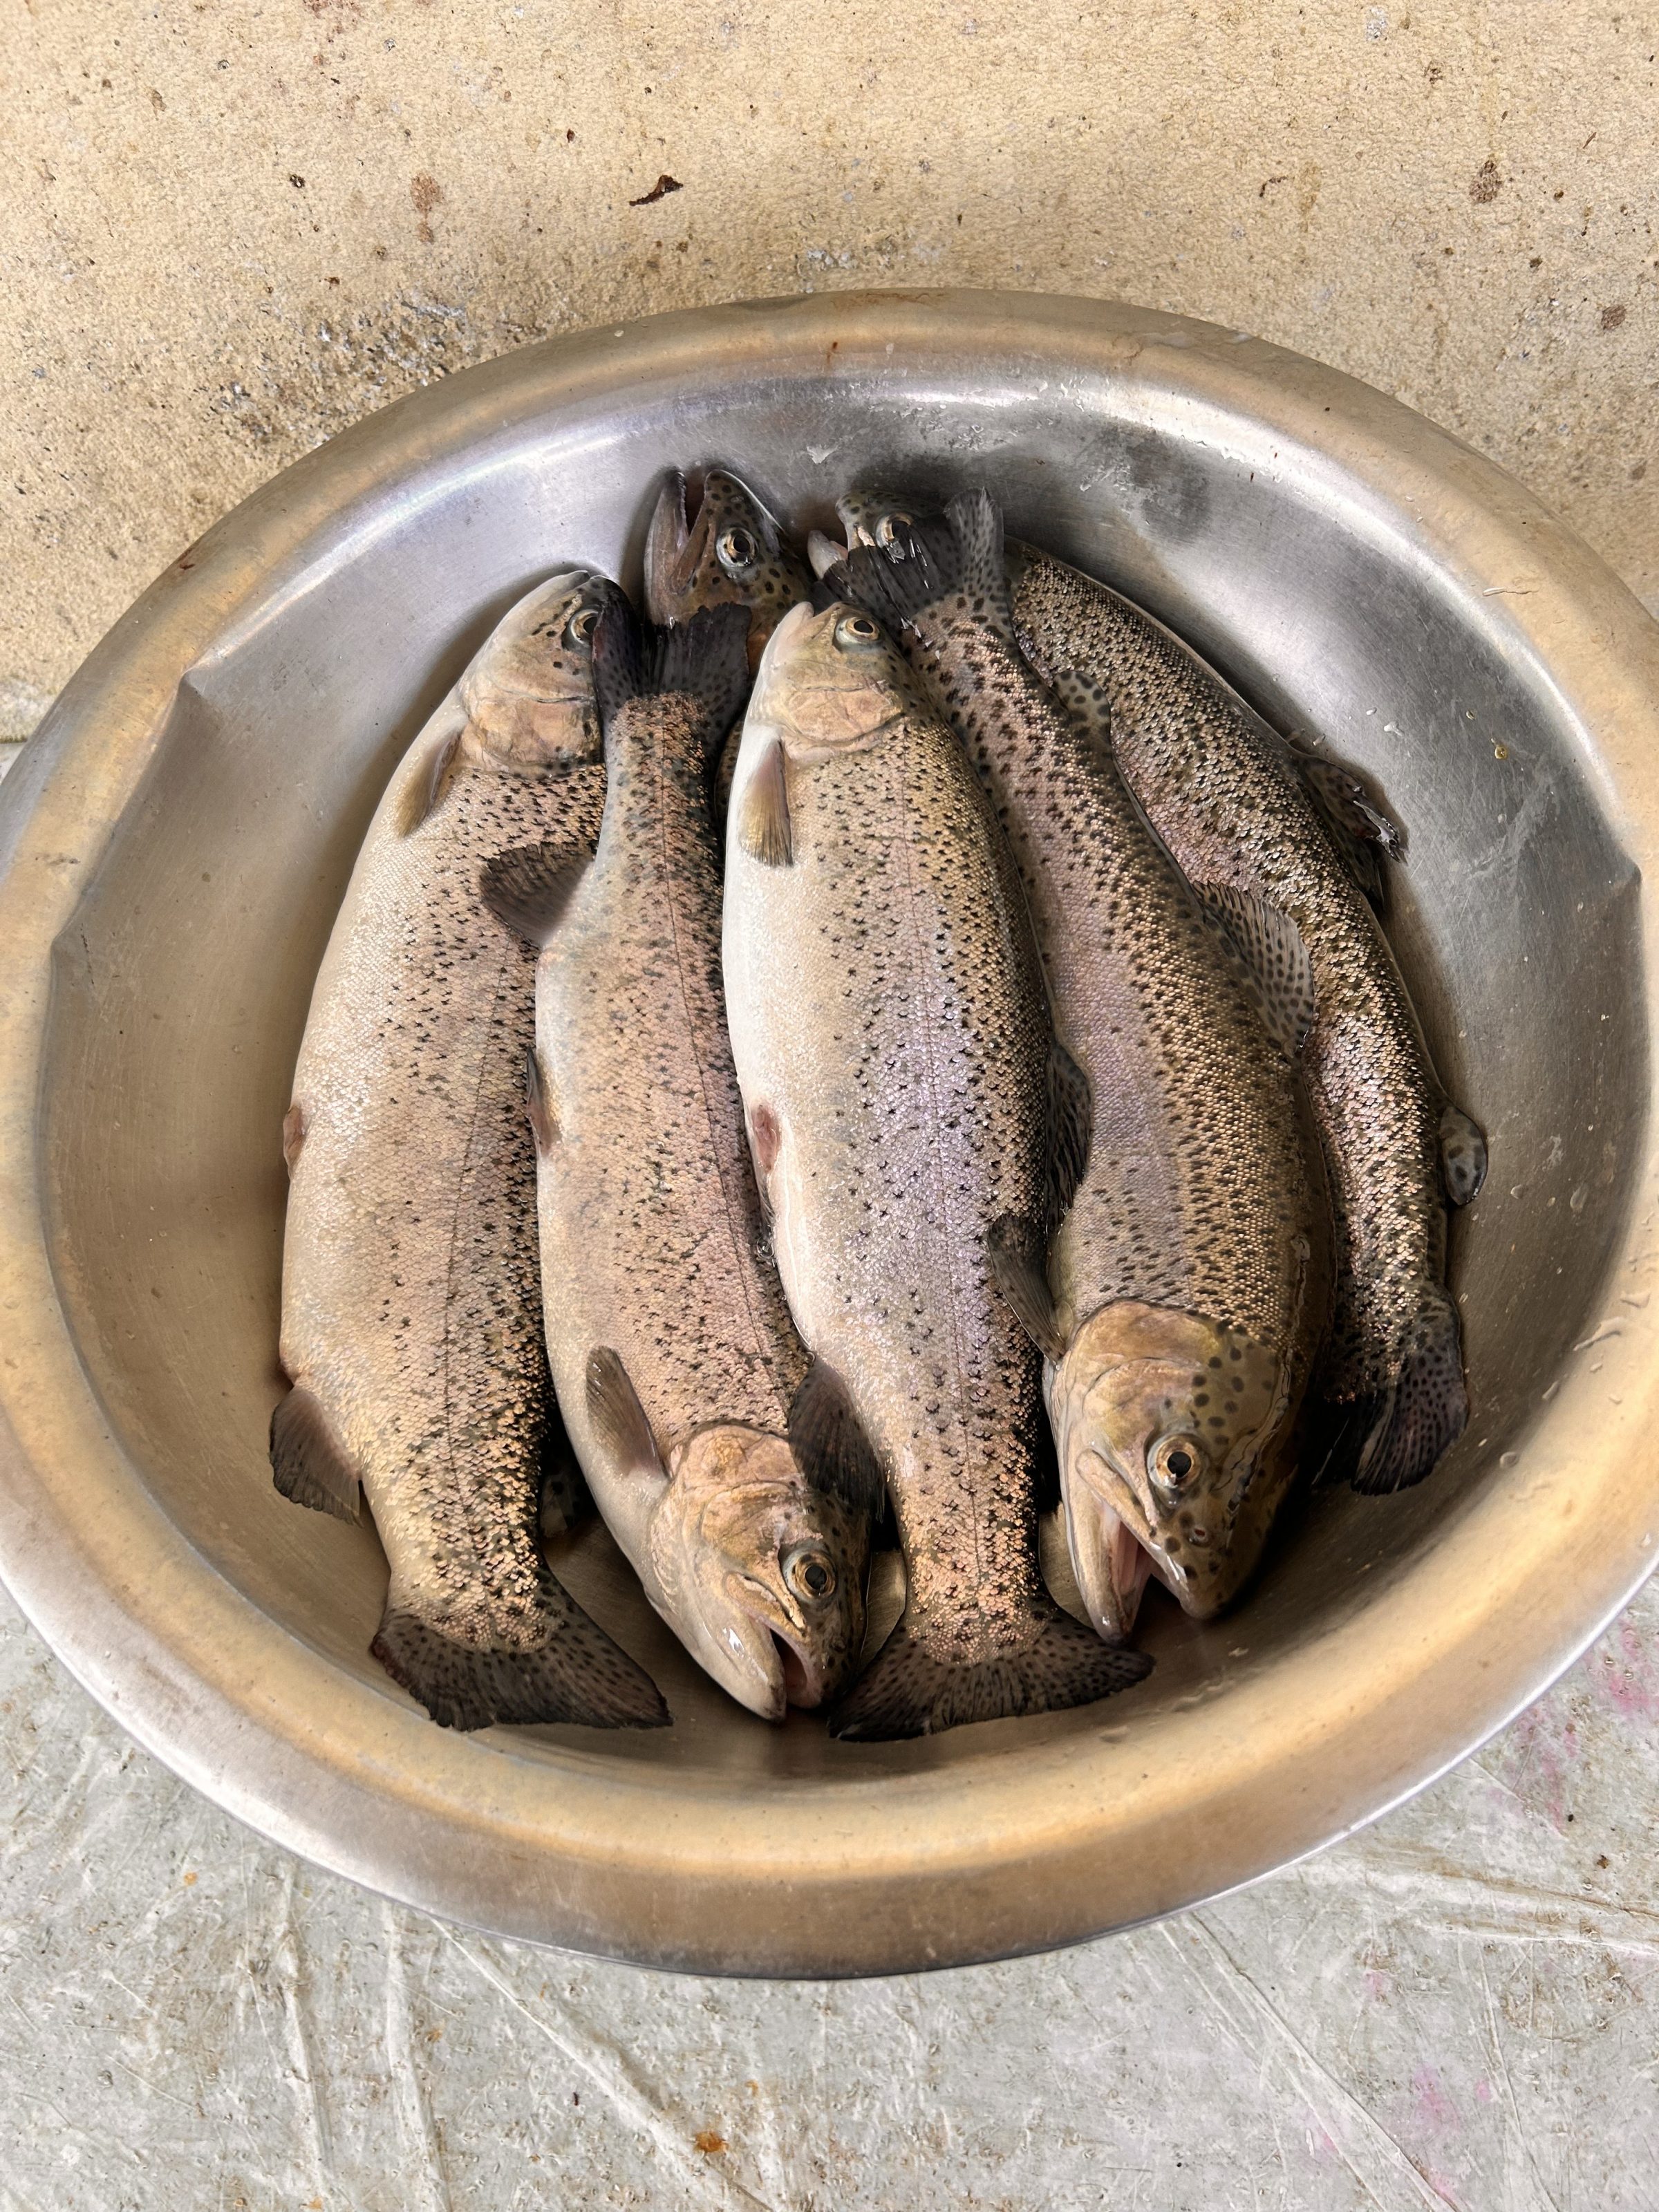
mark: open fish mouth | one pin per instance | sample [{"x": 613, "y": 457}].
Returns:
[
  {"x": 803, "y": 1683},
  {"x": 671, "y": 554},
  {"x": 1114, "y": 1557},
  {"x": 767, "y": 1667},
  {"x": 1112, "y": 1563},
  {"x": 678, "y": 542}
]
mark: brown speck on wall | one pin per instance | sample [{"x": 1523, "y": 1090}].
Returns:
[{"x": 426, "y": 192}]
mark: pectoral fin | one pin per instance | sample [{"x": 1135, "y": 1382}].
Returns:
[
  {"x": 294, "y": 1135},
  {"x": 619, "y": 1420},
  {"x": 764, "y": 813},
  {"x": 539, "y": 1106},
  {"x": 427, "y": 792}
]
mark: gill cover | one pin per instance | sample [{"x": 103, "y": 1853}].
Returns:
[{"x": 1174, "y": 1452}]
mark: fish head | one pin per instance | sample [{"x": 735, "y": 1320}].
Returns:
[
  {"x": 830, "y": 683},
  {"x": 1173, "y": 1432},
  {"x": 528, "y": 694},
  {"x": 762, "y": 1576},
  {"x": 870, "y": 516},
  {"x": 733, "y": 553}
]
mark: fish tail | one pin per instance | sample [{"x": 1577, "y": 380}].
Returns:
[
  {"x": 1423, "y": 1410},
  {"x": 906, "y": 1690},
  {"x": 958, "y": 551},
  {"x": 705, "y": 659},
  {"x": 575, "y": 1674}
]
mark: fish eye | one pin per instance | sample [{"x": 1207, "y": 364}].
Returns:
[
  {"x": 889, "y": 526},
  {"x": 736, "y": 551},
  {"x": 856, "y": 629},
  {"x": 1174, "y": 1463},
  {"x": 581, "y": 626},
  {"x": 809, "y": 1573}
]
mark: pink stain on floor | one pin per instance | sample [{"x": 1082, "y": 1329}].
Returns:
[
  {"x": 1623, "y": 1672},
  {"x": 1433, "y": 2100},
  {"x": 1536, "y": 1760}
]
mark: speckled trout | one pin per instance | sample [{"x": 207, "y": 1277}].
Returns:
[
  {"x": 892, "y": 1044},
  {"x": 412, "y": 1309},
  {"x": 1238, "y": 805},
  {"x": 678, "y": 1371},
  {"x": 1183, "y": 1297},
  {"x": 1237, "y": 808}
]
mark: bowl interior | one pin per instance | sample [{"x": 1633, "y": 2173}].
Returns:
[{"x": 181, "y": 984}]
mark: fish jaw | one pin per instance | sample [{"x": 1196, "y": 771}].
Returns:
[
  {"x": 693, "y": 563},
  {"x": 1111, "y": 1563},
  {"x": 760, "y": 1576},
  {"x": 669, "y": 560},
  {"x": 1173, "y": 1440},
  {"x": 870, "y": 515}
]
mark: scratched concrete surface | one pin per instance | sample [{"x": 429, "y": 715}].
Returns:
[
  {"x": 227, "y": 230},
  {"x": 1454, "y": 2011}
]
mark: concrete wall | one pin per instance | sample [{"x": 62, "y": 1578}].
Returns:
[{"x": 227, "y": 230}]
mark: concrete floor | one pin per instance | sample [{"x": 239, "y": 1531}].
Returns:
[{"x": 228, "y": 229}]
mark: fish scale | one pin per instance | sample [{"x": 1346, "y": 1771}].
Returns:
[
  {"x": 1196, "y": 1191},
  {"x": 667, "y": 1224},
  {"x": 675, "y": 1362}
]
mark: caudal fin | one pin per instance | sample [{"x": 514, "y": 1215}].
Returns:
[
  {"x": 705, "y": 659},
  {"x": 922, "y": 563},
  {"x": 1419, "y": 1419},
  {"x": 577, "y": 1674},
  {"x": 906, "y": 1690}
]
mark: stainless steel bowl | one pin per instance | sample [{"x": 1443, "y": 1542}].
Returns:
[{"x": 175, "y": 845}]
